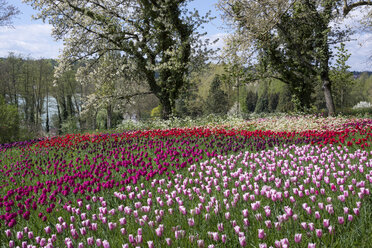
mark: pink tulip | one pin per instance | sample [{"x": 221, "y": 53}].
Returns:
[
  {"x": 350, "y": 217},
  {"x": 341, "y": 220},
  {"x": 19, "y": 235},
  {"x": 150, "y": 244},
  {"x": 111, "y": 225},
  {"x": 268, "y": 224},
  {"x": 319, "y": 233},
  {"x": 242, "y": 241},
  {"x": 191, "y": 222},
  {"x": 90, "y": 241},
  {"x": 311, "y": 226},
  {"x": 317, "y": 215},
  {"x": 261, "y": 234},
  {"x": 326, "y": 222},
  {"x": 106, "y": 244},
  {"x": 42, "y": 242},
  {"x": 168, "y": 241},
  {"x": 304, "y": 225},
  {"x": 223, "y": 238},
  {"x": 83, "y": 231},
  {"x": 298, "y": 237},
  {"x": 200, "y": 243},
  {"x": 94, "y": 226}
]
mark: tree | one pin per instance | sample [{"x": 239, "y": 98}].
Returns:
[
  {"x": 7, "y": 13},
  {"x": 251, "y": 101},
  {"x": 114, "y": 85},
  {"x": 293, "y": 36},
  {"x": 9, "y": 122},
  {"x": 158, "y": 39},
  {"x": 342, "y": 78},
  {"x": 217, "y": 102}
]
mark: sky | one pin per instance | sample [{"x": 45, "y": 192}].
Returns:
[{"x": 32, "y": 38}]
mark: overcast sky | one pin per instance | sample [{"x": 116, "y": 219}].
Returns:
[{"x": 33, "y": 37}]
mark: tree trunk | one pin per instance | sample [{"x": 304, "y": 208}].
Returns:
[
  {"x": 109, "y": 116},
  {"x": 328, "y": 96},
  {"x": 59, "y": 117},
  {"x": 166, "y": 110},
  {"x": 95, "y": 120},
  {"x": 47, "y": 112}
]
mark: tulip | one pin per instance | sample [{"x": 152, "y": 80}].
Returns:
[
  {"x": 298, "y": 237},
  {"x": 326, "y": 223},
  {"x": 106, "y": 244},
  {"x": 168, "y": 241},
  {"x": 200, "y": 243},
  {"x": 90, "y": 241},
  {"x": 19, "y": 235},
  {"x": 261, "y": 234},
  {"x": 319, "y": 233},
  {"x": 341, "y": 220}
]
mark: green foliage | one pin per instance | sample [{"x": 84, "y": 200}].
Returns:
[
  {"x": 156, "y": 112},
  {"x": 342, "y": 79},
  {"x": 357, "y": 112},
  {"x": 217, "y": 101},
  {"x": 285, "y": 104},
  {"x": 273, "y": 102},
  {"x": 362, "y": 89},
  {"x": 70, "y": 125},
  {"x": 263, "y": 101},
  {"x": 190, "y": 102},
  {"x": 251, "y": 101},
  {"x": 9, "y": 122}
]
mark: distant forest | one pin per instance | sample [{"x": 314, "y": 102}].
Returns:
[{"x": 45, "y": 106}]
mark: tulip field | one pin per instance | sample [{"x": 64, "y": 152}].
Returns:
[{"x": 289, "y": 182}]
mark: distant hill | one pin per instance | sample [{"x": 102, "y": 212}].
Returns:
[{"x": 357, "y": 74}]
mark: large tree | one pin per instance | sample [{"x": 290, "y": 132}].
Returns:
[
  {"x": 294, "y": 37},
  {"x": 7, "y": 13},
  {"x": 157, "y": 38}
]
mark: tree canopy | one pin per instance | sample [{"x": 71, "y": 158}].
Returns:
[
  {"x": 292, "y": 39},
  {"x": 156, "y": 40},
  {"x": 7, "y": 13}
]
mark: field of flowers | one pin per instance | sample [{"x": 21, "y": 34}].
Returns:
[{"x": 292, "y": 182}]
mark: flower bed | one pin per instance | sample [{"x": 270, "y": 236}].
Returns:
[{"x": 189, "y": 187}]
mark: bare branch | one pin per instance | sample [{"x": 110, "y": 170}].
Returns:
[{"x": 7, "y": 12}]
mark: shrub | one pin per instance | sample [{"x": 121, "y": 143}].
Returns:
[{"x": 9, "y": 122}]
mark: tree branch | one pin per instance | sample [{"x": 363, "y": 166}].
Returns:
[{"x": 348, "y": 7}]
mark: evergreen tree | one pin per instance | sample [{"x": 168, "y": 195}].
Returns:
[
  {"x": 217, "y": 100},
  {"x": 251, "y": 101}
]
